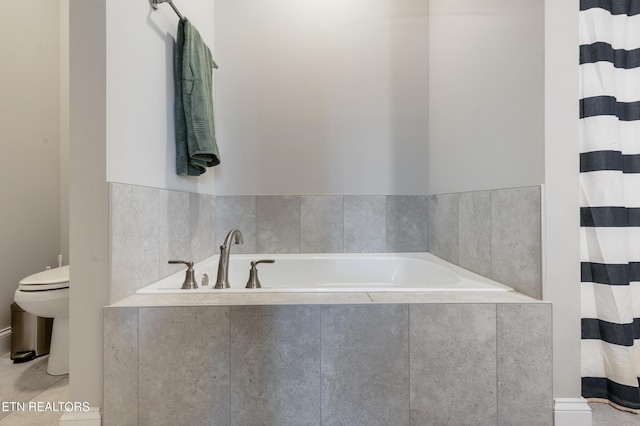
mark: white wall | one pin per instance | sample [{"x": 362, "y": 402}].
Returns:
[
  {"x": 121, "y": 130},
  {"x": 140, "y": 92},
  {"x": 64, "y": 129},
  {"x": 562, "y": 255},
  {"x": 322, "y": 97},
  {"x": 89, "y": 227},
  {"x": 486, "y": 109},
  {"x": 30, "y": 162}
]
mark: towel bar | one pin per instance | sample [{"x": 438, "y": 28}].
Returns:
[{"x": 154, "y": 5}]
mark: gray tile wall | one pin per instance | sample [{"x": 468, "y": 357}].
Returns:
[
  {"x": 183, "y": 359},
  {"x": 516, "y": 248},
  {"x": 455, "y": 349},
  {"x": 275, "y": 364},
  {"x": 120, "y": 367},
  {"x": 278, "y": 224},
  {"x": 494, "y": 233},
  {"x": 443, "y": 224},
  {"x": 150, "y": 226},
  {"x": 236, "y": 212},
  {"x": 399, "y": 364},
  {"x": 321, "y": 224},
  {"x": 324, "y": 224},
  {"x": 365, "y": 224},
  {"x": 524, "y": 364},
  {"x": 475, "y": 231},
  {"x": 365, "y": 365},
  {"x": 407, "y": 223}
]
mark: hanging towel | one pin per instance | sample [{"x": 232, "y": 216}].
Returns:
[{"x": 196, "y": 147}]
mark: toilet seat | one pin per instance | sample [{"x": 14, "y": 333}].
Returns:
[
  {"x": 42, "y": 287},
  {"x": 52, "y": 279}
]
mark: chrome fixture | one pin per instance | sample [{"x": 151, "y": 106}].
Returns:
[
  {"x": 254, "y": 282},
  {"x": 155, "y": 3},
  {"x": 189, "y": 280},
  {"x": 223, "y": 263}
]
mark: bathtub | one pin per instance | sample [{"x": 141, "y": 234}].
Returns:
[{"x": 334, "y": 272}]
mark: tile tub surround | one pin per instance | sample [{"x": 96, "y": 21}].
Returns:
[
  {"x": 275, "y": 362},
  {"x": 150, "y": 226},
  {"x": 470, "y": 347},
  {"x": 324, "y": 223},
  {"x": 307, "y": 364},
  {"x": 495, "y": 233}
]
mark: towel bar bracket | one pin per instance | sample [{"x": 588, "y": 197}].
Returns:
[{"x": 155, "y": 3}]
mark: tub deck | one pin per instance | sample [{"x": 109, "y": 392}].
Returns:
[{"x": 215, "y": 298}]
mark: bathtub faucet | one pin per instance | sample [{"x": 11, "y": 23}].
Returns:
[{"x": 223, "y": 263}]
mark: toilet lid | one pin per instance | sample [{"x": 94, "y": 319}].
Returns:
[{"x": 52, "y": 279}]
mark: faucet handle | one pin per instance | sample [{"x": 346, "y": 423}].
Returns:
[
  {"x": 254, "y": 282},
  {"x": 189, "y": 264},
  {"x": 189, "y": 280},
  {"x": 254, "y": 263}
]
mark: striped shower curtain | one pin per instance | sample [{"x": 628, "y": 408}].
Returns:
[{"x": 610, "y": 200}]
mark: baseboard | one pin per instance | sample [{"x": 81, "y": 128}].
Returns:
[
  {"x": 571, "y": 412},
  {"x": 90, "y": 417},
  {"x": 5, "y": 341}
]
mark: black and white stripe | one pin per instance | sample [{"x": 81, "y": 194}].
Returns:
[
  {"x": 614, "y": 7},
  {"x": 610, "y": 199}
]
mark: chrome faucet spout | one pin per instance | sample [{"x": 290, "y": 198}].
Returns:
[
  {"x": 223, "y": 263},
  {"x": 235, "y": 234}
]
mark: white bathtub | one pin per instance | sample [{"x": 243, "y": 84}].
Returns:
[{"x": 335, "y": 272}]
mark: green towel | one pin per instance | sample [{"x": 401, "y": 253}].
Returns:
[{"x": 196, "y": 147}]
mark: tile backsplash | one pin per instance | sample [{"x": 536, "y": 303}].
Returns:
[
  {"x": 495, "y": 233},
  {"x": 150, "y": 226},
  {"x": 324, "y": 224}
]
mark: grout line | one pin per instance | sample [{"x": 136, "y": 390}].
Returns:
[
  {"x": 459, "y": 222},
  {"x": 343, "y": 233},
  {"x": 409, "y": 357},
  {"x": 385, "y": 229},
  {"x": 299, "y": 224},
  {"x": 320, "y": 358},
  {"x": 138, "y": 367},
  {"x": 497, "y": 378},
  {"x": 491, "y": 234}
]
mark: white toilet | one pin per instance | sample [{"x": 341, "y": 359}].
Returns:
[{"x": 46, "y": 294}]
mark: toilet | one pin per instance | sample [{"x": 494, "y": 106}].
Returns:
[{"x": 46, "y": 294}]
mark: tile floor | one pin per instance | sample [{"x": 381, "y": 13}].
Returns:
[
  {"x": 29, "y": 382},
  {"x": 605, "y": 415}
]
